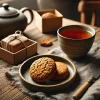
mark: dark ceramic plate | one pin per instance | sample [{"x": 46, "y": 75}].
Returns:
[{"x": 49, "y": 86}]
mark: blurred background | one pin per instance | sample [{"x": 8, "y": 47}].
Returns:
[{"x": 67, "y": 7}]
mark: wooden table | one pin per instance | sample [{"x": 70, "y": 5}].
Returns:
[{"x": 10, "y": 92}]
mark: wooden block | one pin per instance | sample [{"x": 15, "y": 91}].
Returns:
[{"x": 13, "y": 44}]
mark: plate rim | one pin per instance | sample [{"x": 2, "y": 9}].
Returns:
[{"x": 54, "y": 85}]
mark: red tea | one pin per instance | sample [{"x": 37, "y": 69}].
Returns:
[{"x": 76, "y": 33}]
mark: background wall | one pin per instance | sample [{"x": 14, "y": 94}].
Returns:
[
  {"x": 67, "y": 7},
  {"x": 22, "y": 3}
]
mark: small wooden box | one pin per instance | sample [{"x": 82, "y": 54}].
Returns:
[
  {"x": 48, "y": 24},
  {"x": 18, "y": 57}
]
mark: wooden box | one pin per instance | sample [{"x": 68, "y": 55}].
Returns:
[
  {"x": 21, "y": 55},
  {"x": 48, "y": 24}
]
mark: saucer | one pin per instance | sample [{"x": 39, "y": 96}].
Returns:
[{"x": 49, "y": 86}]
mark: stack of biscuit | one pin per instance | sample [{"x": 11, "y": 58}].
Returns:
[{"x": 45, "y": 68}]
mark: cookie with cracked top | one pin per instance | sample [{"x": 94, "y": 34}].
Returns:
[{"x": 43, "y": 69}]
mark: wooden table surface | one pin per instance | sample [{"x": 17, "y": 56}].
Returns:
[{"x": 10, "y": 92}]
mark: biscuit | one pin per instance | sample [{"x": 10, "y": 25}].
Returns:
[
  {"x": 61, "y": 71},
  {"x": 48, "y": 15},
  {"x": 46, "y": 42},
  {"x": 43, "y": 69}
]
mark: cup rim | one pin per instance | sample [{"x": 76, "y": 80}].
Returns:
[{"x": 93, "y": 35}]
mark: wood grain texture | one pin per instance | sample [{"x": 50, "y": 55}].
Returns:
[{"x": 12, "y": 92}]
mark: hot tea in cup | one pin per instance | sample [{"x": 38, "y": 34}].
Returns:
[
  {"x": 76, "y": 40},
  {"x": 76, "y": 33}
]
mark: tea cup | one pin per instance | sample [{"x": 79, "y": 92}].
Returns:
[{"x": 76, "y": 40}]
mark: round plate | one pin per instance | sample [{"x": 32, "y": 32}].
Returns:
[{"x": 49, "y": 86}]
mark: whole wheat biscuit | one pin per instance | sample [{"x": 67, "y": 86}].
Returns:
[
  {"x": 61, "y": 71},
  {"x": 48, "y": 15},
  {"x": 43, "y": 69},
  {"x": 46, "y": 42}
]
